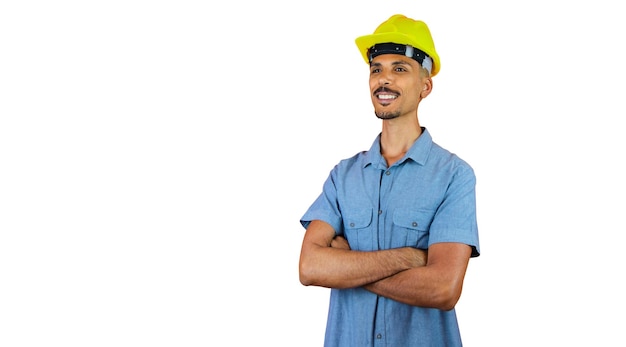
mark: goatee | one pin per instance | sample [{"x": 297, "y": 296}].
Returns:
[{"x": 387, "y": 115}]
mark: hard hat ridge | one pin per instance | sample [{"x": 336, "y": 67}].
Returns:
[{"x": 398, "y": 33}]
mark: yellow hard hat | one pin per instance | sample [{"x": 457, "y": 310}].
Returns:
[{"x": 401, "y": 30}]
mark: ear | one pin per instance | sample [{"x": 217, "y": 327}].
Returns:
[{"x": 426, "y": 88}]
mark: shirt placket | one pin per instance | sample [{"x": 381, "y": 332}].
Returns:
[{"x": 386, "y": 181}]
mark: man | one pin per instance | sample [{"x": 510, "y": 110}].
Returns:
[{"x": 394, "y": 228}]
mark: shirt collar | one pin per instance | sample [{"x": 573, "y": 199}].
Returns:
[{"x": 418, "y": 151}]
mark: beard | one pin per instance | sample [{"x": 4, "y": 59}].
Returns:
[{"x": 387, "y": 115}]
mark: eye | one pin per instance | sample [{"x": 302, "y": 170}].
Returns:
[
  {"x": 375, "y": 70},
  {"x": 400, "y": 69}
]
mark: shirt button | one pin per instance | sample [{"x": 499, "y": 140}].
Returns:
[
  {"x": 387, "y": 173},
  {"x": 379, "y": 336},
  {"x": 351, "y": 225},
  {"x": 414, "y": 224},
  {"x": 380, "y": 212}
]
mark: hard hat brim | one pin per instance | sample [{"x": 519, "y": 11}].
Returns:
[{"x": 367, "y": 41}]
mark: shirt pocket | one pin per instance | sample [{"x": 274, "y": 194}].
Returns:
[
  {"x": 411, "y": 228},
  {"x": 358, "y": 229}
]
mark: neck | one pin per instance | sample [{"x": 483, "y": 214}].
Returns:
[{"x": 397, "y": 138}]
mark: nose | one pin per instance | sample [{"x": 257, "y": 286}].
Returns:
[{"x": 384, "y": 79}]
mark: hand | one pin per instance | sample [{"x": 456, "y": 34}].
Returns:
[{"x": 340, "y": 242}]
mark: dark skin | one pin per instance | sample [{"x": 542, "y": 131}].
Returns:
[{"x": 432, "y": 278}]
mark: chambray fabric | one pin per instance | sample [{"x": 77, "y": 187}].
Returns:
[{"x": 425, "y": 198}]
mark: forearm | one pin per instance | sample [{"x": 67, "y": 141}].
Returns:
[
  {"x": 342, "y": 268},
  {"x": 437, "y": 285},
  {"x": 413, "y": 287}
]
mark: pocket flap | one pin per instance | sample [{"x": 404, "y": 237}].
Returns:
[
  {"x": 413, "y": 219},
  {"x": 357, "y": 219}
]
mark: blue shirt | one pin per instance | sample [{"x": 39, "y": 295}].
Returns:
[{"x": 426, "y": 197}]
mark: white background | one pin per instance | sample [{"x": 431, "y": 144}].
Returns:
[{"x": 156, "y": 156}]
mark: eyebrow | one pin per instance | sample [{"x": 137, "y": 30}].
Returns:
[{"x": 395, "y": 63}]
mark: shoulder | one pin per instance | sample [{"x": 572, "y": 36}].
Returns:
[
  {"x": 358, "y": 160},
  {"x": 443, "y": 158}
]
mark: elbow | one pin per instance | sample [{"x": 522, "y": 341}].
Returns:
[
  {"x": 446, "y": 298},
  {"x": 305, "y": 280},
  {"x": 448, "y": 304},
  {"x": 312, "y": 275},
  {"x": 306, "y": 275}
]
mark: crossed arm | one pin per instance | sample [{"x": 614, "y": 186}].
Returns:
[{"x": 409, "y": 275}]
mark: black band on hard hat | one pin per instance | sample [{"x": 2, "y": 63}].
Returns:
[{"x": 395, "y": 48}]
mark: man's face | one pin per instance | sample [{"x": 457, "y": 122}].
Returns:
[{"x": 395, "y": 85}]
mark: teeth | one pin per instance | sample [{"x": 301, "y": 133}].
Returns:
[{"x": 387, "y": 97}]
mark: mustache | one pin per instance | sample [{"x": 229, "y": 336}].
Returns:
[{"x": 385, "y": 89}]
